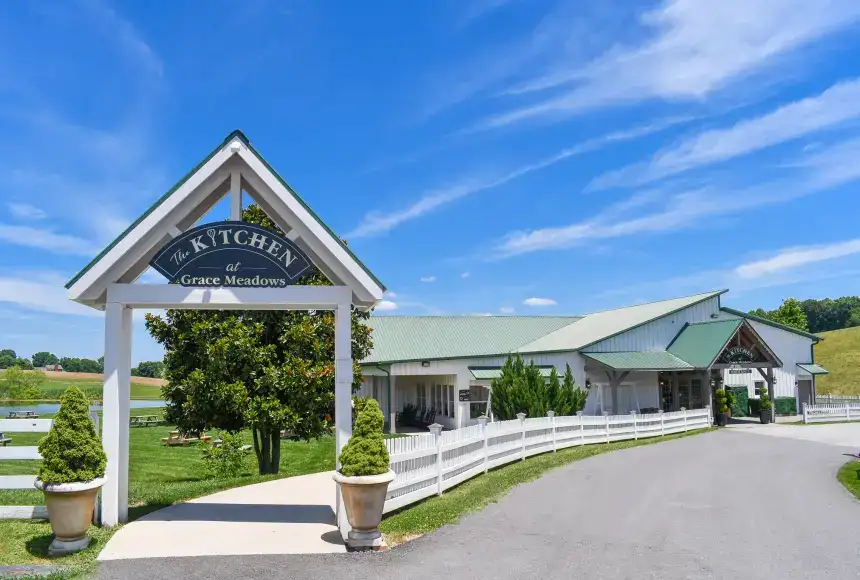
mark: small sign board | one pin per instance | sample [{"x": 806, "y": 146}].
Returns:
[
  {"x": 739, "y": 355},
  {"x": 465, "y": 396},
  {"x": 231, "y": 254}
]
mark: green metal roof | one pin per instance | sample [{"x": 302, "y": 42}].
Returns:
[
  {"x": 416, "y": 338},
  {"x": 700, "y": 343},
  {"x": 814, "y": 369},
  {"x": 241, "y": 136},
  {"x": 749, "y": 316},
  {"x": 489, "y": 373},
  {"x": 657, "y": 360}
]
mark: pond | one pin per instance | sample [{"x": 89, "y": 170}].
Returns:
[{"x": 46, "y": 408}]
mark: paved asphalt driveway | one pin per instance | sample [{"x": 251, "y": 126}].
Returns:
[{"x": 725, "y": 504}]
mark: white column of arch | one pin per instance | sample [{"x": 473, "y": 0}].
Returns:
[{"x": 342, "y": 394}]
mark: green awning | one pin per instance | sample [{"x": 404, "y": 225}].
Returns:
[
  {"x": 700, "y": 343},
  {"x": 656, "y": 360},
  {"x": 813, "y": 369},
  {"x": 490, "y": 373}
]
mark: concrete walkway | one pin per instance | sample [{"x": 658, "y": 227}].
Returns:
[
  {"x": 286, "y": 516},
  {"x": 726, "y": 504}
]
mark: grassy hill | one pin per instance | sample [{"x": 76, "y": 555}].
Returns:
[
  {"x": 52, "y": 389},
  {"x": 839, "y": 353}
]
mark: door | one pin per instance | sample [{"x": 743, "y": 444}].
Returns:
[{"x": 804, "y": 393}]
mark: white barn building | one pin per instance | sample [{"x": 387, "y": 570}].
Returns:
[{"x": 663, "y": 355}]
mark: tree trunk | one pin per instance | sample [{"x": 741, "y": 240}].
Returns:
[
  {"x": 267, "y": 447},
  {"x": 276, "y": 451}
]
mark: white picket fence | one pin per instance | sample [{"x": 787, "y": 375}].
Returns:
[
  {"x": 429, "y": 463},
  {"x": 831, "y": 412},
  {"x": 15, "y": 426},
  {"x": 830, "y": 399}
]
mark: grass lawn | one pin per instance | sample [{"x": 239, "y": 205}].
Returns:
[
  {"x": 52, "y": 389},
  {"x": 849, "y": 476},
  {"x": 158, "y": 476},
  {"x": 478, "y": 492},
  {"x": 839, "y": 353}
]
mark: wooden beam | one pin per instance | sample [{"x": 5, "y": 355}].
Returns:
[{"x": 236, "y": 196}]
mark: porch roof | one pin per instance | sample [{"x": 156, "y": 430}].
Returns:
[
  {"x": 656, "y": 360},
  {"x": 701, "y": 343},
  {"x": 489, "y": 373},
  {"x": 813, "y": 369}
]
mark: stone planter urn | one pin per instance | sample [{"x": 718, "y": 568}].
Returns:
[
  {"x": 70, "y": 509},
  {"x": 364, "y": 499}
]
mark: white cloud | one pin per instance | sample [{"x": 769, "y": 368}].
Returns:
[
  {"x": 836, "y": 105},
  {"x": 506, "y": 310},
  {"x": 428, "y": 278},
  {"x": 25, "y": 211},
  {"x": 465, "y": 275},
  {"x": 694, "y": 49},
  {"x": 43, "y": 292},
  {"x": 539, "y": 302},
  {"x": 379, "y": 222},
  {"x": 45, "y": 239},
  {"x": 792, "y": 258},
  {"x": 391, "y": 294},
  {"x": 386, "y": 305},
  {"x": 815, "y": 173}
]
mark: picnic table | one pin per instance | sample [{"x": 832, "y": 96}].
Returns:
[
  {"x": 144, "y": 420},
  {"x": 22, "y": 415},
  {"x": 177, "y": 438}
]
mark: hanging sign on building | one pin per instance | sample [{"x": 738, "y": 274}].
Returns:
[
  {"x": 738, "y": 355},
  {"x": 233, "y": 254}
]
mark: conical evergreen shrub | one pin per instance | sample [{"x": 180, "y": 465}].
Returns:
[
  {"x": 365, "y": 453},
  {"x": 72, "y": 451}
]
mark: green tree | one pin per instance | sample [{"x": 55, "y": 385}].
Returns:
[
  {"x": 152, "y": 369},
  {"x": 262, "y": 370},
  {"x": 6, "y": 361},
  {"x": 72, "y": 451},
  {"x": 8, "y": 352},
  {"x": 854, "y": 318},
  {"x": 23, "y": 384},
  {"x": 522, "y": 389},
  {"x": 790, "y": 313},
  {"x": 43, "y": 359}
]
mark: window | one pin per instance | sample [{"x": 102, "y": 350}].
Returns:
[
  {"x": 696, "y": 394},
  {"x": 478, "y": 398},
  {"x": 759, "y": 385},
  {"x": 451, "y": 404},
  {"x": 421, "y": 397}
]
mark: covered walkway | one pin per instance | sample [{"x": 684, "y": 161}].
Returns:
[{"x": 295, "y": 515}]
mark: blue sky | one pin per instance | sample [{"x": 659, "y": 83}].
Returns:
[{"x": 481, "y": 156}]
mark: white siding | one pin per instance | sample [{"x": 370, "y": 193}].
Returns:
[
  {"x": 791, "y": 349},
  {"x": 657, "y": 334},
  {"x": 639, "y": 387}
]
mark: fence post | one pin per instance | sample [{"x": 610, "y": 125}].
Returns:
[
  {"x": 581, "y": 428},
  {"x": 662, "y": 425},
  {"x": 805, "y": 414},
  {"x": 551, "y": 415},
  {"x": 482, "y": 421},
  {"x": 847, "y": 412},
  {"x": 710, "y": 419},
  {"x": 635, "y": 432},
  {"x": 606, "y": 425},
  {"x": 522, "y": 418},
  {"x": 436, "y": 429},
  {"x": 684, "y": 409}
]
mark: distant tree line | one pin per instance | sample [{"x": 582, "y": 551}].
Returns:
[
  {"x": 815, "y": 315},
  {"x": 9, "y": 358}
]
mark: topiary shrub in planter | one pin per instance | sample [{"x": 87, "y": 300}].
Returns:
[
  {"x": 785, "y": 405},
  {"x": 72, "y": 472},
  {"x": 722, "y": 415},
  {"x": 363, "y": 477},
  {"x": 765, "y": 406}
]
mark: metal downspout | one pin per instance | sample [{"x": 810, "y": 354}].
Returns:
[{"x": 388, "y": 395}]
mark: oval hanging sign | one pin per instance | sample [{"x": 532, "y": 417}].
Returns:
[
  {"x": 739, "y": 355},
  {"x": 234, "y": 254}
]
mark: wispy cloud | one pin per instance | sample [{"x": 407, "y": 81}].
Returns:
[
  {"x": 507, "y": 310},
  {"x": 379, "y": 222},
  {"x": 25, "y": 211},
  {"x": 538, "y": 302},
  {"x": 46, "y": 239},
  {"x": 43, "y": 292},
  {"x": 792, "y": 258},
  {"x": 428, "y": 279},
  {"x": 818, "y": 172},
  {"x": 692, "y": 49},
  {"x": 386, "y": 305},
  {"x": 835, "y": 106},
  {"x": 125, "y": 35},
  {"x": 465, "y": 275}
]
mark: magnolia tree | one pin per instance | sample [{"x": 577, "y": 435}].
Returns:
[
  {"x": 522, "y": 389},
  {"x": 265, "y": 371}
]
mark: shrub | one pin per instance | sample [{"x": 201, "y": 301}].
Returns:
[
  {"x": 765, "y": 404},
  {"x": 227, "y": 460},
  {"x": 740, "y": 404},
  {"x": 365, "y": 453},
  {"x": 720, "y": 401},
  {"x": 785, "y": 405},
  {"x": 72, "y": 451}
]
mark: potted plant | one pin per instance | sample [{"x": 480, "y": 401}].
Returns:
[
  {"x": 765, "y": 406},
  {"x": 72, "y": 472},
  {"x": 722, "y": 416},
  {"x": 363, "y": 478}
]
